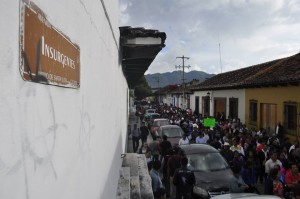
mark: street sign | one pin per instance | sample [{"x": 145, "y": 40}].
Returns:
[{"x": 46, "y": 54}]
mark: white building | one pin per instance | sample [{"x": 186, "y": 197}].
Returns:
[
  {"x": 210, "y": 102},
  {"x": 63, "y": 126}
]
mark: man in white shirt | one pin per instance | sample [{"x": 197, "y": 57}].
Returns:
[
  {"x": 272, "y": 162},
  {"x": 183, "y": 140}
]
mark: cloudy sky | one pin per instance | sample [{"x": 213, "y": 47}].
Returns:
[{"x": 249, "y": 31}]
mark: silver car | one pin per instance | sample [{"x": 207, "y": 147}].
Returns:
[{"x": 173, "y": 132}]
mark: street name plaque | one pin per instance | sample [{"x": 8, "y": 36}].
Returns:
[{"x": 46, "y": 54}]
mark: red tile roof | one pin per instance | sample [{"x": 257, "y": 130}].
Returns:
[{"x": 278, "y": 72}]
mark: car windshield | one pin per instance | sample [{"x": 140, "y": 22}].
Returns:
[
  {"x": 207, "y": 162},
  {"x": 161, "y": 123},
  {"x": 150, "y": 111},
  {"x": 154, "y": 116},
  {"x": 172, "y": 132}
]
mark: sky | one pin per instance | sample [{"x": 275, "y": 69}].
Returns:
[{"x": 217, "y": 35}]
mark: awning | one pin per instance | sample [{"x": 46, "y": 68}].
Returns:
[{"x": 139, "y": 48}]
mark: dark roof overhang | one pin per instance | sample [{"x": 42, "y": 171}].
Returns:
[{"x": 139, "y": 48}]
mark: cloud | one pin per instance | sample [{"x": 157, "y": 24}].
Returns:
[{"x": 249, "y": 31}]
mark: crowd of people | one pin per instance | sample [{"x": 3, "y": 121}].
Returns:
[{"x": 255, "y": 156}]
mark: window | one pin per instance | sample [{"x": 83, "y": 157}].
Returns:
[
  {"x": 290, "y": 116},
  {"x": 253, "y": 111},
  {"x": 197, "y": 104},
  {"x": 205, "y": 106}
]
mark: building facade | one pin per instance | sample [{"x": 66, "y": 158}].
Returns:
[
  {"x": 267, "y": 106},
  {"x": 261, "y": 95}
]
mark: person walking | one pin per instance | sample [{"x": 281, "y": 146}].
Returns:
[
  {"x": 184, "y": 180},
  {"x": 154, "y": 147},
  {"x": 155, "y": 177},
  {"x": 136, "y": 134},
  {"x": 165, "y": 145},
  {"x": 236, "y": 183},
  {"x": 273, "y": 186},
  {"x": 173, "y": 164},
  {"x": 144, "y": 148},
  {"x": 144, "y": 132},
  {"x": 272, "y": 162},
  {"x": 184, "y": 140}
]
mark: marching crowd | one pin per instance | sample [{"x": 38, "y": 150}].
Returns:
[{"x": 255, "y": 156}]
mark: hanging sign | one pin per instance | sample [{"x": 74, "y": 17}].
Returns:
[{"x": 46, "y": 54}]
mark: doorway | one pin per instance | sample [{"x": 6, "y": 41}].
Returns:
[{"x": 268, "y": 117}]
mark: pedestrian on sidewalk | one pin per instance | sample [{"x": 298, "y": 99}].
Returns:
[{"x": 136, "y": 134}]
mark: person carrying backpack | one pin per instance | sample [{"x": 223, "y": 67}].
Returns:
[{"x": 184, "y": 180}]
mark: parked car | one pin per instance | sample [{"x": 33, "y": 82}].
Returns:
[
  {"x": 245, "y": 196},
  {"x": 148, "y": 111},
  {"x": 211, "y": 170},
  {"x": 150, "y": 117},
  {"x": 173, "y": 132},
  {"x": 158, "y": 123}
]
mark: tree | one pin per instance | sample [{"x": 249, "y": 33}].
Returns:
[{"x": 142, "y": 90}]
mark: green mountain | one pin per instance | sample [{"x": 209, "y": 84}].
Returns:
[{"x": 175, "y": 77}]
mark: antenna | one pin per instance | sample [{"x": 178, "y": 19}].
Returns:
[{"x": 220, "y": 53}]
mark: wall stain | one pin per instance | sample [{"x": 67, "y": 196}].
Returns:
[{"x": 86, "y": 129}]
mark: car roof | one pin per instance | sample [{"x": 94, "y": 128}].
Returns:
[
  {"x": 160, "y": 119},
  {"x": 170, "y": 126},
  {"x": 198, "y": 149},
  {"x": 154, "y": 114},
  {"x": 245, "y": 196},
  {"x": 151, "y": 109}
]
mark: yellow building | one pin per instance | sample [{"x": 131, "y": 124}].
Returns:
[
  {"x": 263, "y": 95},
  {"x": 267, "y": 106},
  {"x": 272, "y": 95}
]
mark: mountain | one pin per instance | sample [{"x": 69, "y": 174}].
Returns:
[{"x": 175, "y": 77}]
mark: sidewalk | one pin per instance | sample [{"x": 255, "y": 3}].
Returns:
[
  {"x": 135, "y": 181},
  {"x": 134, "y": 120}
]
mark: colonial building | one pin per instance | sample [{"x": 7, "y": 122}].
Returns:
[{"x": 261, "y": 95}]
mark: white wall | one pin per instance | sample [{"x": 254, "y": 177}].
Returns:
[
  {"x": 57, "y": 142},
  {"x": 236, "y": 93}
]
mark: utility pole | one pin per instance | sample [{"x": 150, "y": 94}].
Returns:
[
  {"x": 183, "y": 66},
  {"x": 157, "y": 79}
]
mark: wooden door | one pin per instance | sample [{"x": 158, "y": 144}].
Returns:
[
  {"x": 220, "y": 106},
  {"x": 268, "y": 117}
]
